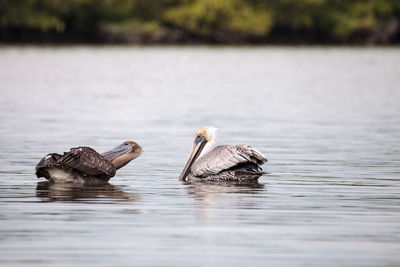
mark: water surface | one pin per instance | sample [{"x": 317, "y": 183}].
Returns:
[{"x": 328, "y": 120}]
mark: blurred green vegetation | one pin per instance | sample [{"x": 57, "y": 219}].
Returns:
[{"x": 218, "y": 21}]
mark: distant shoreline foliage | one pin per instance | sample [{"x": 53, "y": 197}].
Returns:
[{"x": 202, "y": 21}]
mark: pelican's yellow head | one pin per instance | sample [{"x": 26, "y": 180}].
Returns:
[
  {"x": 204, "y": 140},
  {"x": 208, "y": 132}
]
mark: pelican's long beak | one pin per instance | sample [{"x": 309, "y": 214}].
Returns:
[
  {"x": 116, "y": 152},
  {"x": 198, "y": 146}
]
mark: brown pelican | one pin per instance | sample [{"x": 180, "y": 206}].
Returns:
[
  {"x": 85, "y": 165},
  {"x": 229, "y": 163}
]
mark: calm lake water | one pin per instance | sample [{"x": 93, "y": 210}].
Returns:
[{"x": 328, "y": 120}]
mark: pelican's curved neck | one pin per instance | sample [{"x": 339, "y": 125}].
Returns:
[
  {"x": 208, "y": 147},
  {"x": 124, "y": 159}
]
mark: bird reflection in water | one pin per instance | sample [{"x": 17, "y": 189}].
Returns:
[
  {"x": 207, "y": 189},
  {"x": 200, "y": 189},
  {"x": 108, "y": 193},
  {"x": 218, "y": 199}
]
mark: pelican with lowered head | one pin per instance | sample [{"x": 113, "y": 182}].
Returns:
[
  {"x": 222, "y": 163},
  {"x": 85, "y": 165}
]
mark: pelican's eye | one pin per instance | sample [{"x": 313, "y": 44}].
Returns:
[{"x": 199, "y": 138}]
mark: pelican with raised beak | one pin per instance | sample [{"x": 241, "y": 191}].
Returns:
[
  {"x": 85, "y": 165},
  {"x": 222, "y": 163}
]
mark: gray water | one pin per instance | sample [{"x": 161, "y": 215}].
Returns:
[{"x": 328, "y": 120}]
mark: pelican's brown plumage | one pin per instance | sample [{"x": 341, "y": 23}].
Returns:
[{"x": 85, "y": 165}]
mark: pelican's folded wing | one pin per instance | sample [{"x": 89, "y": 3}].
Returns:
[
  {"x": 87, "y": 161},
  {"x": 225, "y": 157}
]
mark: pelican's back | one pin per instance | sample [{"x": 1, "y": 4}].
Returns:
[
  {"x": 238, "y": 162},
  {"x": 80, "y": 164}
]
